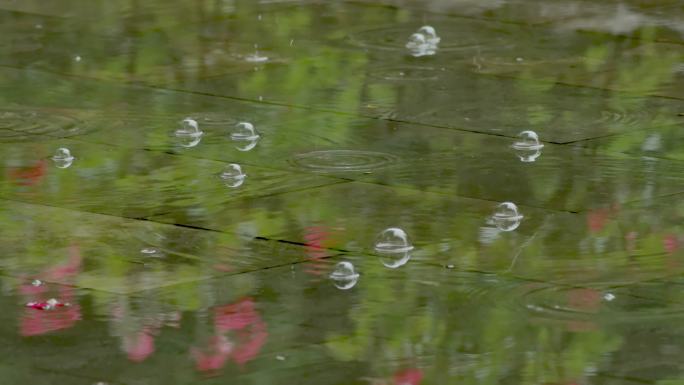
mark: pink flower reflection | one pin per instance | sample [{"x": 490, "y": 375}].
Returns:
[
  {"x": 139, "y": 346},
  {"x": 240, "y": 335},
  {"x": 410, "y": 376},
  {"x": 36, "y": 320}
]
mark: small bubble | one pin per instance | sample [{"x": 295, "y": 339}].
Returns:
[
  {"x": 189, "y": 133},
  {"x": 424, "y": 42},
  {"x": 528, "y": 147},
  {"x": 151, "y": 252},
  {"x": 393, "y": 247},
  {"x": 609, "y": 297},
  {"x": 233, "y": 176},
  {"x": 246, "y": 135},
  {"x": 280, "y": 358},
  {"x": 450, "y": 266},
  {"x": 344, "y": 275},
  {"x": 37, "y": 283},
  {"x": 77, "y": 58},
  {"x": 519, "y": 59},
  {"x": 506, "y": 216},
  {"x": 63, "y": 158}
]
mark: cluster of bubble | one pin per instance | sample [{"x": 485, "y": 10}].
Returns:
[
  {"x": 394, "y": 247},
  {"x": 244, "y": 134},
  {"x": 423, "y": 42}
]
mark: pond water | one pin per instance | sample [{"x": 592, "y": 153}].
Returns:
[{"x": 386, "y": 192}]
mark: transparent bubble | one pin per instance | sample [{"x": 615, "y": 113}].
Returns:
[
  {"x": 245, "y": 135},
  {"x": 430, "y": 34},
  {"x": 63, "y": 158},
  {"x": 233, "y": 176},
  {"x": 393, "y": 240},
  {"x": 528, "y": 147},
  {"x": 609, "y": 297},
  {"x": 189, "y": 134},
  {"x": 424, "y": 42},
  {"x": 393, "y": 247},
  {"x": 506, "y": 216},
  {"x": 37, "y": 283},
  {"x": 344, "y": 276}
]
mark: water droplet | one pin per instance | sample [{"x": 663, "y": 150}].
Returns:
[
  {"x": 37, "y": 283},
  {"x": 506, "y": 216},
  {"x": 151, "y": 252},
  {"x": 344, "y": 276},
  {"x": 528, "y": 147},
  {"x": 246, "y": 135},
  {"x": 609, "y": 297},
  {"x": 63, "y": 158},
  {"x": 450, "y": 266},
  {"x": 233, "y": 176},
  {"x": 424, "y": 42},
  {"x": 394, "y": 247},
  {"x": 189, "y": 134},
  {"x": 77, "y": 58},
  {"x": 256, "y": 57}
]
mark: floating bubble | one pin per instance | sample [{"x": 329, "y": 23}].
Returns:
[
  {"x": 528, "y": 147},
  {"x": 245, "y": 134},
  {"x": 63, "y": 158},
  {"x": 37, "y": 283},
  {"x": 393, "y": 240},
  {"x": 233, "y": 176},
  {"x": 344, "y": 275},
  {"x": 506, "y": 216},
  {"x": 424, "y": 42},
  {"x": 394, "y": 247},
  {"x": 189, "y": 134},
  {"x": 609, "y": 297}
]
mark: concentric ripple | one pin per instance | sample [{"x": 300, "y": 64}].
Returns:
[
  {"x": 650, "y": 300},
  {"x": 20, "y": 124},
  {"x": 402, "y": 74},
  {"x": 343, "y": 161}
]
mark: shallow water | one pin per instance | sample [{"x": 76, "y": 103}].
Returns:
[{"x": 263, "y": 192}]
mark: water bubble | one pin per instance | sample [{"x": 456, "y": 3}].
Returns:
[
  {"x": 344, "y": 276},
  {"x": 394, "y": 247},
  {"x": 246, "y": 135},
  {"x": 609, "y": 297},
  {"x": 424, "y": 42},
  {"x": 37, "y": 283},
  {"x": 528, "y": 147},
  {"x": 63, "y": 158},
  {"x": 233, "y": 176},
  {"x": 189, "y": 134},
  {"x": 77, "y": 58},
  {"x": 506, "y": 216},
  {"x": 280, "y": 358},
  {"x": 393, "y": 240}
]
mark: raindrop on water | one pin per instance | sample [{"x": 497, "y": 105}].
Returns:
[
  {"x": 63, "y": 158},
  {"x": 344, "y": 276},
  {"x": 189, "y": 134},
  {"x": 528, "y": 147},
  {"x": 256, "y": 57},
  {"x": 506, "y": 216},
  {"x": 246, "y": 135},
  {"x": 424, "y": 42},
  {"x": 394, "y": 247},
  {"x": 233, "y": 176}
]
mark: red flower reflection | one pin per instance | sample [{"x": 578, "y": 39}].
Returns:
[
  {"x": 139, "y": 346},
  {"x": 28, "y": 176},
  {"x": 411, "y": 376},
  {"x": 241, "y": 333}
]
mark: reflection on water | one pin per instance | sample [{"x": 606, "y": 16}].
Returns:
[{"x": 193, "y": 192}]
